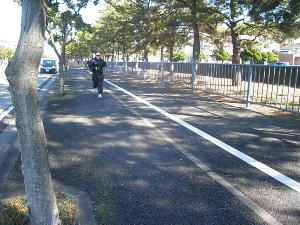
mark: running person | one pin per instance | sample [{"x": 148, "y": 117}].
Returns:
[{"x": 96, "y": 65}]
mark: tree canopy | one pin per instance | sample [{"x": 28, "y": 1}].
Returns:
[{"x": 135, "y": 29}]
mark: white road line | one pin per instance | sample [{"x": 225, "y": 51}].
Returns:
[
  {"x": 253, "y": 162},
  {"x": 258, "y": 210},
  {"x": 6, "y": 111}
]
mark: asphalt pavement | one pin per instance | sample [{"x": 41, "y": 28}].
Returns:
[{"x": 139, "y": 166}]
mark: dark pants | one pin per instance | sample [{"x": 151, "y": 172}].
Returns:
[{"x": 98, "y": 82}]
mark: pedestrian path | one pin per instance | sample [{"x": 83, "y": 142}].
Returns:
[{"x": 139, "y": 167}]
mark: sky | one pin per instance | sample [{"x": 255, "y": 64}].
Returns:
[{"x": 10, "y": 19}]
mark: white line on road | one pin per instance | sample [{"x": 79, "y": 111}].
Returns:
[
  {"x": 257, "y": 209},
  {"x": 6, "y": 111},
  {"x": 253, "y": 162}
]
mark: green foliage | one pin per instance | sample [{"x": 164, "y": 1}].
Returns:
[
  {"x": 250, "y": 53},
  {"x": 264, "y": 57},
  {"x": 256, "y": 19},
  {"x": 283, "y": 15},
  {"x": 272, "y": 57},
  {"x": 81, "y": 47},
  {"x": 258, "y": 56},
  {"x": 115, "y": 32},
  {"x": 139, "y": 28},
  {"x": 202, "y": 57},
  {"x": 14, "y": 211},
  {"x": 179, "y": 56},
  {"x": 6, "y": 53},
  {"x": 221, "y": 55},
  {"x": 103, "y": 206}
]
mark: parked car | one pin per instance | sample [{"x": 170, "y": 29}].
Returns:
[
  {"x": 48, "y": 66},
  {"x": 281, "y": 64}
]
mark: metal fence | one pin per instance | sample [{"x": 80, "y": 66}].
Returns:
[{"x": 269, "y": 85}]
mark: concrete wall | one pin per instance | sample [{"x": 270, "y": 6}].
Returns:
[
  {"x": 287, "y": 57},
  {"x": 297, "y": 60}
]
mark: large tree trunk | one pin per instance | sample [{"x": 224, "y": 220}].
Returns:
[
  {"x": 161, "y": 58},
  {"x": 146, "y": 53},
  {"x": 61, "y": 75},
  {"x": 161, "y": 53},
  {"x": 62, "y": 64},
  {"x": 171, "y": 52},
  {"x": 236, "y": 46},
  {"x": 62, "y": 68},
  {"x": 196, "y": 46},
  {"x": 22, "y": 76}
]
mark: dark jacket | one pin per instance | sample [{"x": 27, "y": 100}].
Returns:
[{"x": 96, "y": 66}]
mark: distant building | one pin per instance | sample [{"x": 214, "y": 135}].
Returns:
[
  {"x": 294, "y": 48},
  {"x": 290, "y": 53}
]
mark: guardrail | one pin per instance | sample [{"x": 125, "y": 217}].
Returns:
[{"x": 269, "y": 85}]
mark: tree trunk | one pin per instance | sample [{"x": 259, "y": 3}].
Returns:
[
  {"x": 196, "y": 46},
  {"x": 22, "y": 76},
  {"x": 61, "y": 75},
  {"x": 61, "y": 66},
  {"x": 171, "y": 56},
  {"x": 146, "y": 53},
  {"x": 236, "y": 46},
  {"x": 161, "y": 53},
  {"x": 161, "y": 58},
  {"x": 171, "y": 53}
]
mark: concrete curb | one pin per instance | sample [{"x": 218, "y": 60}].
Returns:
[{"x": 84, "y": 206}]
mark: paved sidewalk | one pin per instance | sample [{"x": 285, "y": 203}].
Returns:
[{"x": 133, "y": 175}]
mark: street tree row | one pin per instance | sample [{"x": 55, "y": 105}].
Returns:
[{"x": 138, "y": 28}]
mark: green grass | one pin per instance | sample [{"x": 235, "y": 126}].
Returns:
[
  {"x": 57, "y": 96},
  {"x": 14, "y": 211},
  {"x": 102, "y": 204}
]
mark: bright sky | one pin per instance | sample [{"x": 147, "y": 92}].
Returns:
[{"x": 10, "y": 19}]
